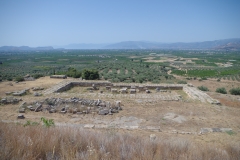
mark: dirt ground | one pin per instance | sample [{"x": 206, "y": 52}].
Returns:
[{"x": 185, "y": 115}]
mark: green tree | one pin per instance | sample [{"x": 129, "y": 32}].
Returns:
[
  {"x": 72, "y": 72},
  {"x": 90, "y": 74}
]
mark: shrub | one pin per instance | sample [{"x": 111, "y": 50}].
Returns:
[
  {"x": 47, "y": 122},
  {"x": 235, "y": 91},
  {"x": 72, "y": 72},
  {"x": 36, "y": 76},
  {"x": 9, "y": 79},
  {"x": 19, "y": 79},
  {"x": 203, "y": 88},
  {"x": 204, "y": 78},
  {"x": 221, "y": 90},
  {"x": 90, "y": 74}
]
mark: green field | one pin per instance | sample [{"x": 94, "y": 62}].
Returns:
[{"x": 123, "y": 65}]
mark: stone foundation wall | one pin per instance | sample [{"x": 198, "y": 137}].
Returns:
[
  {"x": 66, "y": 85},
  {"x": 90, "y": 83}
]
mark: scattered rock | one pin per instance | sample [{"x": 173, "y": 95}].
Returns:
[
  {"x": 36, "y": 94},
  {"x": 20, "y": 116},
  {"x": 132, "y": 91},
  {"x": 22, "y": 110},
  {"x": 37, "y": 88},
  {"x": 103, "y": 112},
  {"x": 38, "y": 107},
  {"x": 147, "y": 91},
  {"x": 8, "y": 93}
]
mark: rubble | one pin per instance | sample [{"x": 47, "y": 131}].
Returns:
[
  {"x": 20, "y": 93},
  {"x": 10, "y": 100},
  {"x": 20, "y": 116},
  {"x": 73, "y": 105},
  {"x": 37, "y": 88}
]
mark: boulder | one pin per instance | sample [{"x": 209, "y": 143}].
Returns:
[
  {"x": 133, "y": 87},
  {"x": 63, "y": 112},
  {"x": 103, "y": 112},
  {"x": 114, "y": 90},
  {"x": 123, "y": 90},
  {"x": 38, "y": 107},
  {"x": 108, "y": 87},
  {"x": 30, "y": 108},
  {"x": 3, "y": 101},
  {"x": 36, "y": 94},
  {"x": 22, "y": 110},
  {"x": 8, "y": 93},
  {"x": 20, "y": 116},
  {"x": 52, "y": 110},
  {"x": 132, "y": 91},
  {"x": 118, "y": 103},
  {"x": 114, "y": 111},
  {"x": 147, "y": 91}
]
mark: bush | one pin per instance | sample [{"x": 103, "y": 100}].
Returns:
[
  {"x": 36, "y": 76},
  {"x": 203, "y": 88},
  {"x": 204, "y": 78},
  {"x": 47, "y": 122},
  {"x": 221, "y": 90},
  {"x": 235, "y": 91},
  {"x": 72, "y": 72},
  {"x": 182, "y": 82},
  {"x": 90, "y": 74},
  {"x": 19, "y": 79},
  {"x": 9, "y": 79}
]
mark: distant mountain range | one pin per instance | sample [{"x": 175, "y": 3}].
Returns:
[{"x": 226, "y": 44}]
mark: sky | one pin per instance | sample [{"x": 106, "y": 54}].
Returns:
[{"x": 61, "y": 22}]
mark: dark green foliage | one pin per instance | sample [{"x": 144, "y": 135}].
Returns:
[
  {"x": 203, "y": 88},
  {"x": 221, "y": 90},
  {"x": 19, "y": 79},
  {"x": 90, "y": 74},
  {"x": 72, "y": 72},
  {"x": 36, "y": 76},
  {"x": 204, "y": 78},
  {"x": 9, "y": 79},
  {"x": 235, "y": 91}
]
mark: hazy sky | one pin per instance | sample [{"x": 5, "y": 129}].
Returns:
[{"x": 57, "y": 22}]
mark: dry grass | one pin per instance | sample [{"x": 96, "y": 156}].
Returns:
[{"x": 37, "y": 142}]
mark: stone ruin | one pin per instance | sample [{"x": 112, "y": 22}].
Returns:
[
  {"x": 18, "y": 93},
  {"x": 58, "y": 76},
  {"x": 10, "y": 100},
  {"x": 72, "y": 105}
]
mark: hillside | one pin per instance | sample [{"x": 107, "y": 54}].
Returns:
[{"x": 227, "y": 44}]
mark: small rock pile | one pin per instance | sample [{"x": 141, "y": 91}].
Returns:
[
  {"x": 37, "y": 88},
  {"x": 10, "y": 100},
  {"x": 18, "y": 93},
  {"x": 72, "y": 105}
]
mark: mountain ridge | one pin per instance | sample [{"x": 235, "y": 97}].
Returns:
[
  {"x": 216, "y": 44},
  {"x": 232, "y": 44}
]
